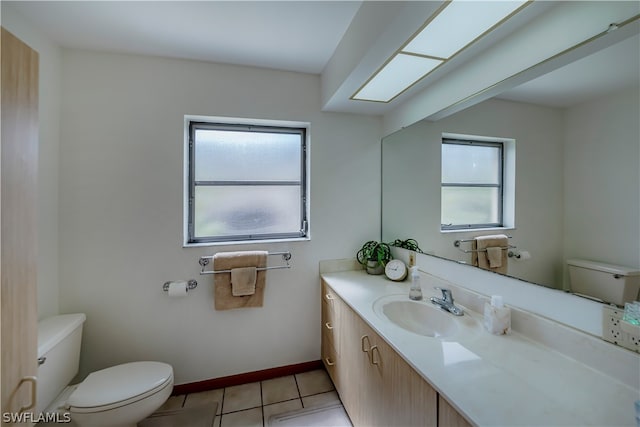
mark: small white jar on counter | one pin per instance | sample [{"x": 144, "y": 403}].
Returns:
[{"x": 497, "y": 317}]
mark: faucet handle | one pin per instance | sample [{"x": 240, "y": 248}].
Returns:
[{"x": 446, "y": 294}]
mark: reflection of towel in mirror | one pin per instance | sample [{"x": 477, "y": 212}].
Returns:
[
  {"x": 489, "y": 253},
  {"x": 223, "y": 292}
]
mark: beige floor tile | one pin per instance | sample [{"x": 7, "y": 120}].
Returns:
[
  {"x": 205, "y": 397},
  {"x": 172, "y": 403},
  {"x": 248, "y": 418},
  {"x": 279, "y": 389},
  {"x": 241, "y": 397},
  {"x": 280, "y": 408},
  {"x": 195, "y": 416},
  {"x": 320, "y": 399},
  {"x": 314, "y": 382}
]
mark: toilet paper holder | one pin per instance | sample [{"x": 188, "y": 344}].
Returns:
[{"x": 191, "y": 284}]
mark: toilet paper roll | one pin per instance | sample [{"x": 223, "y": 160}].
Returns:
[
  {"x": 177, "y": 288},
  {"x": 524, "y": 255}
]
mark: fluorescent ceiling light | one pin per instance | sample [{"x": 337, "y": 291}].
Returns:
[
  {"x": 459, "y": 24},
  {"x": 397, "y": 75}
]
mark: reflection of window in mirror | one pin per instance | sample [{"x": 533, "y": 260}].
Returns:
[{"x": 477, "y": 182}]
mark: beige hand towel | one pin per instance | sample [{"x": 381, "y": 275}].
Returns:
[
  {"x": 243, "y": 281},
  {"x": 496, "y": 243},
  {"x": 223, "y": 295},
  {"x": 494, "y": 255}
]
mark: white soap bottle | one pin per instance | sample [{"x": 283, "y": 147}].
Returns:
[
  {"x": 497, "y": 317},
  {"x": 415, "y": 291}
]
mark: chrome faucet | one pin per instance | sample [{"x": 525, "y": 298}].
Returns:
[{"x": 446, "y": 302}]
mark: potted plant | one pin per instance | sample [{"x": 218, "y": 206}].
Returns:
[
  {"x": 410, "y": 244},
  {"x": 374, "y": 256}
]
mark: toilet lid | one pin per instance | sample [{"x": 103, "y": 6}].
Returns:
[{"x": 120, "y": 384}]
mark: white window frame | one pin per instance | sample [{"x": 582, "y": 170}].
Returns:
[
  {"x": 508, "y": 183},
  {"x": 189, "y": 238}
]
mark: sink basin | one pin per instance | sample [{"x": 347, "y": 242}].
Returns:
[{"x": 421, "y": 317}]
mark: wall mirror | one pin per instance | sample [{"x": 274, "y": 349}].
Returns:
[{"x": 577, "y": 179}]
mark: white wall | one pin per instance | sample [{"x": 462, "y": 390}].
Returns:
[
  {"x": 49, "y": 121},
  {"x": 121, "y": 169},
  {"x": 412, "y": 177},
  {"x": 602, "y": 180}
]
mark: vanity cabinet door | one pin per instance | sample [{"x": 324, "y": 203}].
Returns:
[
  {"x": 355, "y": 382},
  {"x": 379, "y": 388},
  {"x": 398, "y": 395},
  {"x": 448, "y": 416}
]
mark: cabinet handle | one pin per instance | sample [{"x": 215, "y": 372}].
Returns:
[
  {"x": 328, "y": 325},
  {"x": 375, "y": 362},
  {"x": 329, "y": 297},
  {"x": 328, "y": 361},
  {"x": 368, "y": 343},
  {"x": 34, "y": 392}
]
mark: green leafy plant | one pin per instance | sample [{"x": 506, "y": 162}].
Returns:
[
  {"x": 410, "y": 244},
  {"x": 374, "y": 254}
]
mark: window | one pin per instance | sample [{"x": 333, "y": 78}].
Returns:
[
  {"x": 246, "y": 182},
  {"x": 472, "y": 184}
]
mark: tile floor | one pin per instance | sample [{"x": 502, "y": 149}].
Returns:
[{"x": 250, "y": 405}]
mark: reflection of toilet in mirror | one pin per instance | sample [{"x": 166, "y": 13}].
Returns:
[
  {"x": 610, "y": 283},
  {"x": 119, "y": 396}
]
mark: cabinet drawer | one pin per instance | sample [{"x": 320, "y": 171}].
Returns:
[
  {"x": 330, "y": 324},
  {"x": 329, "y": 297},
  {"x": 330, "y": 358}
]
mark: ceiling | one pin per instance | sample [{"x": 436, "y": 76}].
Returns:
[
  {"x": 285, "y": 35},
  {"x": 299, "y": 36},
  {"x": 606, "y": 71}
]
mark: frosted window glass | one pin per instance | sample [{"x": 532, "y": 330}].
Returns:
[
  {"x": 247, "y": 182},
  {"x": 246, "y": 210},
  {"x": 466, "y": 164},
  {"x": 470, "y": 205},
  {"x": 232, "y": 155}
]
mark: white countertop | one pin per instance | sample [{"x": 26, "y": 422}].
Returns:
[{"x": 503, "y": 380}]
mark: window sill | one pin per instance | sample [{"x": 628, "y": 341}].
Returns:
[
  {"x": 477, "y": 230},
  {"x": 245, "y": 242}
]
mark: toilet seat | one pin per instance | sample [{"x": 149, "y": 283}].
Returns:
[{"x": 119, "y": 386}]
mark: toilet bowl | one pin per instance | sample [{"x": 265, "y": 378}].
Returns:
[{"x": 119, "y": 396}]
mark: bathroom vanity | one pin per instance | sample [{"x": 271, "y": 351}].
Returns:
[{"x": 389, "y": 372}]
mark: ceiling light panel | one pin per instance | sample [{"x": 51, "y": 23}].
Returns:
[
  {"x": 459, "y": 24},
  {"x": 396, "y": 76}
]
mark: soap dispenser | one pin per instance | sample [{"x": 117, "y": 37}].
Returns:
[
  {"x": 415, "y": 292},
  {"x": 497, "y": 317}
]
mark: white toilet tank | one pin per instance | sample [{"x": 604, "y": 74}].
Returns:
[
  {"x": 59, "y": 339},
  {"x": 608, "y": 282}
]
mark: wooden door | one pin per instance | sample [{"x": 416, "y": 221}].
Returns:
[
  {"x": 380, "y": 388},
  {"x": 406, "y": 398},
  {"x": 354, "y": 363},
  {"x": 18, "y": 303},
  {"x": 448, "y": 416}
]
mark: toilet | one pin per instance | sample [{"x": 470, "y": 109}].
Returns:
[
  {"x": 119, "y": 396},
  {"x": 609, "y": 283}
]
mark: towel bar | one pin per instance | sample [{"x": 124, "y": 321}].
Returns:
[
  {"x": 457, "y": 242},
  {"x": 204, "y": 261},
  {"x": 466, "y": 251}
]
